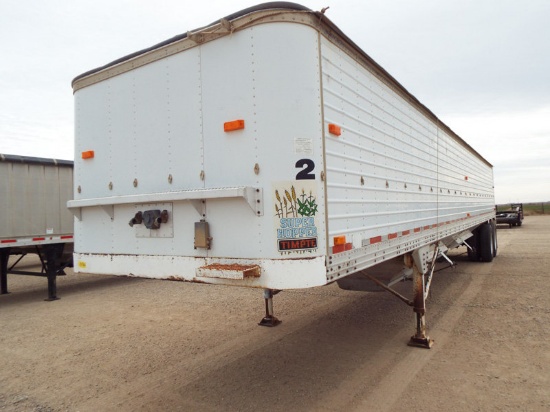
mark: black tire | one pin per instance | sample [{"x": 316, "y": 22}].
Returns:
[
  {"x": 495, "y": 239},
  {"x": 486, "y": 242},
  {"x": 519, "y": 223},
  {"x": 473, "y": 253}
]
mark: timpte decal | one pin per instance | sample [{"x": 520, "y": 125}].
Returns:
[{"x": 295, "y": 207}]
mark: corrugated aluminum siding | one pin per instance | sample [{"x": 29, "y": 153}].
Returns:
[
  {"x": 393, "y": 169},
  {"x": 33, "y": 198}
]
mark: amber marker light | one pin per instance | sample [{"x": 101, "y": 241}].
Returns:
[
  {"x": 89, "y": 154},
  {"x": 233, "y": 125},
  {"x": 334, "y": 129},
  {"x": 339, "y": 240}
]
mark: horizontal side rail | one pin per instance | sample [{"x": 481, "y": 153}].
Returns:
[{"x": 252, "y": 195}]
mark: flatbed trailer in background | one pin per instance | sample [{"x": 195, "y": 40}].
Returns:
[
  {"x": 268, "y": 150},
  {"x": 35, "y": 219}
]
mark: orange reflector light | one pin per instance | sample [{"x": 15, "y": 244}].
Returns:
[
  {"x": 339, "y": 240},
  {"x": 335, "y": 130},
  {"x": 465, "y": 177},
  {"x": 89, "y": 154},
  {"x": 234, "y": 125}
]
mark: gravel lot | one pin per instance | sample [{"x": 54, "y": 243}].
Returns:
[{"x": 128, "y": 344}]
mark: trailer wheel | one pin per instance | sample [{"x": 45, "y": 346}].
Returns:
[
  {"x": 486, "y": 243},
  {"x": 495, "y": 240},
  {"x": 473, "y": 253}
]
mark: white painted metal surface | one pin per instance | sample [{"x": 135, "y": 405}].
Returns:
[{"x": 280, "y": 193}]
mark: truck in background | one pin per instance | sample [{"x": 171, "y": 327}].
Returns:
[
  {"x": 35, "y": 220},
  {"x": 268, "y": 150},
  {"x": 513, "y": 216}
]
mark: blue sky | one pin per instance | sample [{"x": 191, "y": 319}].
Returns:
[{"x": 483, "y": 67}]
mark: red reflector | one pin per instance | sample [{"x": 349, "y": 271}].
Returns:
[
  {"x": 8, "y": 241},
  {"x": 35, "y": 239},
  {"x": 342, "y": 248},
  {"x": 376, "y": 239},
  {"x": 338, "y": 248}
]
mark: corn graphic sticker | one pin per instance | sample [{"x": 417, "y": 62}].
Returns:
[{"x": 295, "y": 207}]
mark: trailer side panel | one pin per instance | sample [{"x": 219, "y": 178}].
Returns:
[
  {"x": 396, "y": 180},
  {"x": 34, "y": 197}
]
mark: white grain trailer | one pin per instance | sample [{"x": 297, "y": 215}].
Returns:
[
  {"x": 268, "y": 150},
  {"x": 35, "y": 219}
]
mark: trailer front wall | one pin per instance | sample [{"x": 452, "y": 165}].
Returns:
[
  {"x": 159, "y": 129},
  {"x": 395, "y": 178}
]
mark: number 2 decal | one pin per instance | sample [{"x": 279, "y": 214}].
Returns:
[{"x": 307, "y": 166}]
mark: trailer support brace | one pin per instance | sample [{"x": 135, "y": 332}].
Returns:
[{"x": 269, "y": 319}]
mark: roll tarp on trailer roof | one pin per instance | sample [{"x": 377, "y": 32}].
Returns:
[{"x": 260, "y": 7}]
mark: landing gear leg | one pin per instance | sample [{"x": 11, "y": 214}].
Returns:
[
  {"x": 269, "y": 319},
  {"x": 4, "y": 257},
  {"x": 420, "y": 338},
  {"x": 52, "y": 254}
]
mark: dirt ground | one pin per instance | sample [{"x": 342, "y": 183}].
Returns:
[{"x": 128, "y": 344}]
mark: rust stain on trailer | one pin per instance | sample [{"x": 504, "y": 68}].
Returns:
[
  {"x": 229, "y": 271},
  {"x": 175, "y": 278}
]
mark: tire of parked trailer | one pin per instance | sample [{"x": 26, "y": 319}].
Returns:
[
  {"x": 486, "y": 242},
  {"x": 495, "y": 239},
  {"x": 473, "y": 253}
]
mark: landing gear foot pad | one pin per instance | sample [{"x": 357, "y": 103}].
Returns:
[{"x": 269, "y": 321}]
